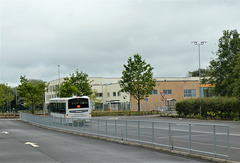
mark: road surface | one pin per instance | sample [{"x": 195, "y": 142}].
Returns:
[{"x": 21, "y": 142}]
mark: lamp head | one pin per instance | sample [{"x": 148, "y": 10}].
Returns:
[
  {"x": 194, "y": 42},
  {"x": 203, "y": 42}
]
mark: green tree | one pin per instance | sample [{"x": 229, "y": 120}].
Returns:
[
  {"x": 1, "y": 96},
  {"x": 6, "y": 94},
  {"x": 93, "y": 98},
  {"x": 31, "y": 91},
  {"x": 137, "y": 79},
  {"x": 67, "y": 89},
  {"x": 236, "y": 77},
  {"x": 221, "y": 69},
  {"x": 195, "y": 73},
  {"x": 77, "y": 84}
]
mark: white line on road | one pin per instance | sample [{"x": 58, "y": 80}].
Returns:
[
  {"x": 174, "y": 129},
  {"x": 222, "y": 146},
  {"x": 32, "y": 144},
  {"x": 5, "y": 132}
]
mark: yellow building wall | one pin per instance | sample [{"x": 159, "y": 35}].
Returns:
[{"x": 177, "y": 87}]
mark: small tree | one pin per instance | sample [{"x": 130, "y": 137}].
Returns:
[
  {"x": 77, "y": 84},
  {"x": 31, "y": 91},
  {"x": 195, "y": 73},
  {"x": 221, "y": 70},
  {"x": 94, "y": 99},
  {"x": 236, "y": 76},
  {"x": 67, "y": 89},
  {"x": 6, "y": 94},
  {"x": 81, "y": 81},
  {"x": 137, "y": 79},
  {"x": 2, "y": 98}
]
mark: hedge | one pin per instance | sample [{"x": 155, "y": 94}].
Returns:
[{"x": 220, "y": 107}]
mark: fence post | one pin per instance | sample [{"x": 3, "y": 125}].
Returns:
[
  {"x": 190, "y": 138},
  {"x": 84, "y": 124},
  {"x": 115, "y": 128},
  {"x": 98, "y": 126},
  {"x": 228, "y": 141},
  {"x": 126, "y": 130},
  {"x": 106, "y": 128},
  {"x": 170, "y": 137},
  {"x": 90, "y": 126},
  {"x": 63, "y": 122},
  {"x": 51, "y": 120},
  {"x": 138, "y": 131},
  {"x": 153, "y": 133},
  {"x": 214, "y": 140}
]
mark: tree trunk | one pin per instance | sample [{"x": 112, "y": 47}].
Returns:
[
  {"x": 138, "y": 105},
  {"x": 32, "y": 107}
]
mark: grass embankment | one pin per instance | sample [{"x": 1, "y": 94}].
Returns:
[
  {"x": 101, "y": 113},
  {"x": 123, "y": 113},
  {"x": 9, "y": 115}
]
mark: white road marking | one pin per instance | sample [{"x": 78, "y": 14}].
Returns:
[
  {"x": 4, "y": 132},
  {"x": 222, "y": 146},
  {"x": 183, "y": 130},
  {"x": 32, "y": 144}
]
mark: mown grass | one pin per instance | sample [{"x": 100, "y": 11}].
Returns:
[{"x": 123, "y": 113}]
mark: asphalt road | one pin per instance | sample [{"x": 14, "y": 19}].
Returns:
[
  {"x": 202, "y": 136},
  {"x": 21, "y": 142}
]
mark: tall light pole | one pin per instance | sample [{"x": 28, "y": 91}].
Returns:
[
  {"x": 59, "y": 79},
  {"x": 102, "y": 98},
  {"x": 199, "y": 70}
]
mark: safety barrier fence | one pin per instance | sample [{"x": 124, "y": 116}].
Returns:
[{"x": 211, "y": 140}]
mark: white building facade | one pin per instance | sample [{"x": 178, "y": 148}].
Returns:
[
  {"x": 110, "y": 97},
  {"x": 108, "y": 92}
]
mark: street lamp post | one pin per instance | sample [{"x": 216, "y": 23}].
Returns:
[
  {"x": 59, "y": 79},
  {"x": 199, "y": 70},
  {"x": 102, "y": 98}
]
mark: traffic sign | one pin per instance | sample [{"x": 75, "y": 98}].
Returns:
[
  {"x": 162, "y": 99},
  {"x": 146, "y": 99},
  {"x": 162, "y": 94}
]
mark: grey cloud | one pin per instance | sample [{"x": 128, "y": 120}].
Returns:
[{"x": 98, "y": 37}]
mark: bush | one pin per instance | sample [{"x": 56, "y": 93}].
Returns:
[{"x": 211, "y": 108}]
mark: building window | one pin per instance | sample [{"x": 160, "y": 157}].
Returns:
[
  {"x": 119, "y": 93},
  {"x": 54, "y": 96},
  {"x": 52, "y": 88},
  {"x": 206, "y": 92},
  {"x": 114, "y": 94},
  {"x": 154, "y": 92},
  {"x": 99, "y": 94},
  {"x": 108, "y": 94},
  {"x": 167, "y": 91},
  {"x": 189, "y": 92}
]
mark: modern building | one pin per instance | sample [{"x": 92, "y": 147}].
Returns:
[
  {"x": 169, "y": 90},
  {"x": 108, "y": 92},
  {"x": 164, "y": 96}
]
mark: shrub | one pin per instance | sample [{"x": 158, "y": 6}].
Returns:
[{"x": 214, "y": 107}]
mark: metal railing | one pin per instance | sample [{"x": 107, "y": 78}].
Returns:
[{"x": 211, "y": 140}]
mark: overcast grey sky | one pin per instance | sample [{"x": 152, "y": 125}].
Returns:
[{"x": 98, "y": 36}]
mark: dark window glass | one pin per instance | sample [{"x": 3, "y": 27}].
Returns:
[
  {"x": 78, "y": 103},
  {"x": 99, "y": 94},
  {"x": 154, "y": 92},
  {"x": 168, "y": 91},
  {"x": 57, "y": 107},
  {"x": 189, "y": 92}
]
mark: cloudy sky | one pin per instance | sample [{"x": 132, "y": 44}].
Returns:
[{"x": 98, "y": 36}]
